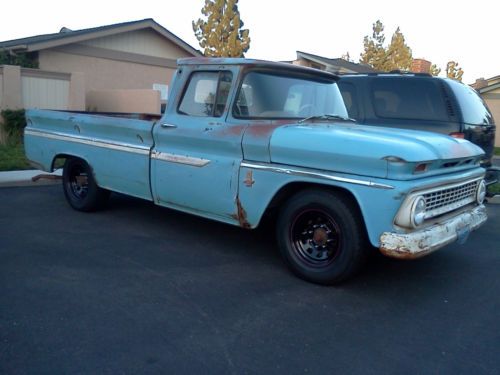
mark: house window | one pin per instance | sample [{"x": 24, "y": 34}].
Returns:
[{"x": 206, "y": 94}]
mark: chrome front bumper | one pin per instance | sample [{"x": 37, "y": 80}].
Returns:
[{"x": 421, "y": 242}]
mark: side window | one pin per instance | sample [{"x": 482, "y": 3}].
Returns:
[
  {"x": 350, "y": 97},
  {"x": 408, "y": 98},
  {"x": 206, "y": 94}
]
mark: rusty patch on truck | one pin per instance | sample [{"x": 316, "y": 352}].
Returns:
[
  {"x": 402, "y": 253},
  {"x": 45, "y": 177},
  {"x": 265, "y": 129},
  {"x": 249, "y": 181},
  {"x": 241, "y": 215},
  {"x": 405, "y": 248}
]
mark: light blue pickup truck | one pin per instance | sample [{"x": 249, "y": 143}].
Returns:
[{"x": 241, "y": 139}]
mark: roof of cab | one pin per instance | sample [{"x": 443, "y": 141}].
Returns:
[{"x": 254, "y": 63}]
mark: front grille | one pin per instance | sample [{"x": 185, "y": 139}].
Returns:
[{"x": 446, "y": 199}]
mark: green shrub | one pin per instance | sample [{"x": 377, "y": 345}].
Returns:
[
  {"x": 494, "y": 189},
  {"x": 13, "y": 124},
  {"x": 22, "y": 59}
]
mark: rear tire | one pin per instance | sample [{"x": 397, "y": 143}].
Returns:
[
  {"x": 321, "y": 236},
  {"x": 80, "y": 189}
]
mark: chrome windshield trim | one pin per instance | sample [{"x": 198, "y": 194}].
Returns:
[
  {"x": 179, "y": 159},
  {"x": 142, "y": 150},
  {"x": 315, "y": 174}
]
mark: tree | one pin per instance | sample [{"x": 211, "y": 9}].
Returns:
[
  {"x": 453, "y": 71},
  {"x": 399, "y": 55},
  {"x": 434, "y": 70},
  {"x": 396, "y": 56},
  {"x": 347, "y": 57},
  {"x": 220, "y": 33},
  {"x": 18, "y": 58},
  {"x": 374, "y": 51}
]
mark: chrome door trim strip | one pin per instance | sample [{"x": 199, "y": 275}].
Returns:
[
  {"x": 142, "y": 150},
  {"x": 179, "y": 159},
  {"x": 321, "y": 175}
]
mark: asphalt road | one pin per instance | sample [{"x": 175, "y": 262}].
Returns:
[{"x": 138, "y": 289}]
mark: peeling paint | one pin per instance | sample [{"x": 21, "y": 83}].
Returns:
[
  {"x": 241, "y": 215},
  {"x": 422, "y": 242},
  {"x": 249, "y": 181}
]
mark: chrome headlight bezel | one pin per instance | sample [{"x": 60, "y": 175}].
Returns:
[
  {"x": 412, "y": 212},
  {"x": 417, "y": 213},
  {"x": 481, "y": 192}
]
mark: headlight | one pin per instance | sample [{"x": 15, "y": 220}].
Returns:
[
  {"x": 481, "y": 192},
  {"x": 417, "y": 215}
]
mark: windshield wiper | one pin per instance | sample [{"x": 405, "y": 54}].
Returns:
[{"x": 327, "y": 117}]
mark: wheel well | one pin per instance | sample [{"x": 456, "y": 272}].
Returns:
[
  {"x": 287, "y": 191},
  {"x": 58, "y": 161}
]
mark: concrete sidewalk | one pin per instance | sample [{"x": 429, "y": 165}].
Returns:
[{"x": 29, "y": 178}]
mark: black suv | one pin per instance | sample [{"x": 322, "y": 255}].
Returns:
[{"x": 421, "y": 102}]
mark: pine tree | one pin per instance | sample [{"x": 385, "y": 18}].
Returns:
[
  {"x": 453, "y": 71},
  {"x": 396, "y": 56},
  {"x": 399, "y": 55},
  {"x": 374, "y": 53},
  {"x": 220, "y": 33}
]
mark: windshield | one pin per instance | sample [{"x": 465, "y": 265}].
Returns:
[
  {"x": 474, "y": 111},
  {"x": 264, "y": 95}
]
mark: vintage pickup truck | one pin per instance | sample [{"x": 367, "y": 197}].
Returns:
[{"x": 244, "y": 138}]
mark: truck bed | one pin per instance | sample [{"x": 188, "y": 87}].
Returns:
[{"x": 117, "y": 146}]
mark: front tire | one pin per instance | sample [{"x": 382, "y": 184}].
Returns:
[
  {"x": 321, "y": 236},
  {"x": 80, "y": 189}
]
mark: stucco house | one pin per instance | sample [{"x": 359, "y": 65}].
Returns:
[
  {"x": 336, "y": 65},
  {"x": 137, "y": 55},
  {"x": 489, "y": 89}
]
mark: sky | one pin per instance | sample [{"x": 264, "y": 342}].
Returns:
[{"x": 438, "y": 31}]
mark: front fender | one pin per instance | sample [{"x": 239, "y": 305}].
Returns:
[{"x": 378, "y": 201}]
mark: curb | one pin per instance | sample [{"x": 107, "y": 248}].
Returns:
[
  {"x": 494, "y": 200},
  {"x": 29, "y": 178}
]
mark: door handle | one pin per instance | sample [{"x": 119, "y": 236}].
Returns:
[{"x": 170, "y": 126}]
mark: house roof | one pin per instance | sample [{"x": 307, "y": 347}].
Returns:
[
  {"x": 493, "y": 83},
  {"x": 67, "y": 36},
  {"x": 337, "y": 63},
  {"x": 489, "y": 88}
]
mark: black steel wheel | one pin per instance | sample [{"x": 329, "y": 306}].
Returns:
[
  {"x": 80, "y": 188},
  {"x": 321, "y": 236}
]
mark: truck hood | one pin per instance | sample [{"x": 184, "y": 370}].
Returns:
[{"x": 371, "y": 151}]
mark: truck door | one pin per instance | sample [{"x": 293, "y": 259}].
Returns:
[{"x": 196, "y": 157}]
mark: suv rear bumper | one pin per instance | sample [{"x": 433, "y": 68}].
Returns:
[{"x": 421, "y": 242}]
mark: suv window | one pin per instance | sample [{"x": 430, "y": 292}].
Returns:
[
  {"x": 265, "y": 95},
  {"x": 350, "y": 97},
  {"x": 474, "y": 110},
  {"x": 415, "y": 99},
  {"x": 206, "y": 94}
]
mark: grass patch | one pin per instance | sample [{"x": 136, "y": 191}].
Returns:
[
  {"x": 495, "y": 188},
  {"x": 497, "y": 151},
  {"x": 12, "y": 157}
]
